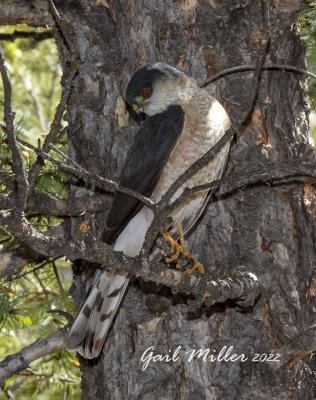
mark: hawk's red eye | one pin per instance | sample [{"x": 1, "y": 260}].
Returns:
[{"x": 145, "y": 93}]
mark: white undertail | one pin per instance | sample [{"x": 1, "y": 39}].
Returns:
[{"x": 90, "y": 328}]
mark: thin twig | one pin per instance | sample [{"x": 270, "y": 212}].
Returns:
[
  {"x": 251, "y": 67},
  {"x": 67, "y": 158},
  {"x": 89, "y": 177},
  {"x": 56, "y": 124},
  {"x": 31, "y": 270},
  {"x": 40, "y": 204},
  {"x": 60, "y": 285},
  {"x": 39, "y": 280},
  {"x": 47, "y": 34},
  {"x": 63, "y": 313},
  {"x": 283, "y": 172},
  {"x": 31, "y": 373},
  {"x": 17, "y": 164},
  {"x": 62, "y": 28}
]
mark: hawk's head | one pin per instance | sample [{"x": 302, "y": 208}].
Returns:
[{"x": 155, "y": 87}]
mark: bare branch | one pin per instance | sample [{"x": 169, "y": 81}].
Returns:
[
  {"x": 60, "y": 285},
  {"x": 15, "y": 363},
  {"x": 266, "y": 67},
  {"x": 63, "y": 313},
  {"x": 14, "y": 258},
  {"x": 284, "y": 172},
  {"x": 46, "y": 205},
  {"x": 31, "y": 270},
  {"x": 33, "y": 13},
  {"x": 16, "y": 215},
  {"x": 89, "y": 177},
  {"x": 31, "y": 374},
  {"x": 90, "y": 249},
  {"x": 63, "y": 31},
  {"x": 17, "y": 165},
  {"x": 40, "y": 282},
  {"x": 281, "y": 173},
  {"x": 56, "y": 124},
  {"x": 35, "y": 35}
]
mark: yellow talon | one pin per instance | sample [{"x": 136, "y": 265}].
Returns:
[
  {"x": 176, "y": 255},
  {"x": 181, "y": 237},
  {"x": 173, "y": 244},
  {"x": 196, "y": 265},
  {"x": 181, "y": 248}
]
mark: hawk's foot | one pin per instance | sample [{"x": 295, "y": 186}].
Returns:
[
  {"x": 181, "y": 249},
  {"x": 196, "y": 265},
  {"x": 173, "y": 244}
]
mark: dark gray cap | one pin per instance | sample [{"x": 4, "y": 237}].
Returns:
[{"x": 147, "y": 76}]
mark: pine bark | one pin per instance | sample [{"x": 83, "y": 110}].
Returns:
[{"x": 269, "y": 229}]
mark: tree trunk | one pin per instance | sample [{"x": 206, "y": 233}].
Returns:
[{"x": 269, "y": 229}]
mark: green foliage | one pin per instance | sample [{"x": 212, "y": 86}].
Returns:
[
  {"x": 29, "y": 303},
  {"x": 54, "y": 378},
  {"x": 12, "y": 315},
  {"x": 35, "y": 76},
  {"x": 51, "y": 179},
  {"x": 27, "y": 312}
]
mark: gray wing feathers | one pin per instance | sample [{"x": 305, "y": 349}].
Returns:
[
  {"x": 94, "y": 319},
  {"x": 145, "y": 161}
]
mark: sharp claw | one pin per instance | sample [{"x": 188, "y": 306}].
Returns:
[
  {"x": 197, "y": 265},
  {"x": 181, "y": 248},
  {"x": 176, "y": 255},
  {"x": 201, "y": 268},
  {"x": 181, "y": 237}
]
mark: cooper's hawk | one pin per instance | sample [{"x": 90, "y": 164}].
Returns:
[{"x": 184, "y": 123}]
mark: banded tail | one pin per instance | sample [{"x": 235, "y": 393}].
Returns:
[{"x": 90, "y": 328}]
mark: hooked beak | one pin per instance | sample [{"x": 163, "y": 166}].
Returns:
[{"x": 137, "y": 109}]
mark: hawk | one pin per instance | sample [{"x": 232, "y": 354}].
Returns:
[{"x": 183, "y": 123}]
